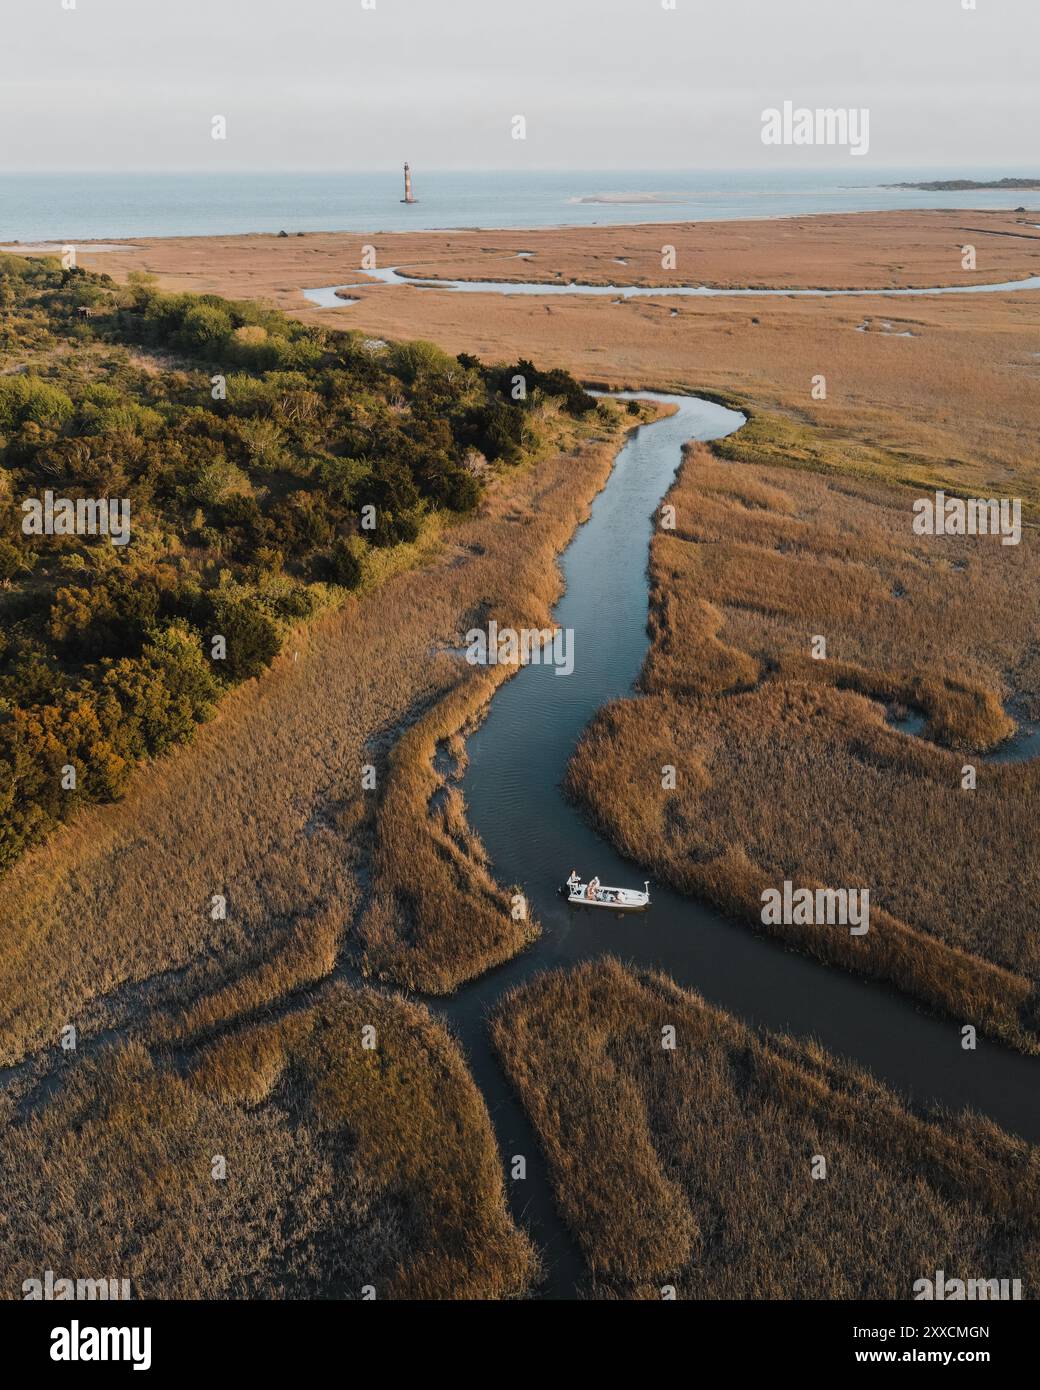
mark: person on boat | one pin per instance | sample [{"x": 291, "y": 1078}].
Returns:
[
  {"x": 574, "y": 882},
  {"x": 592, "y": 891}
]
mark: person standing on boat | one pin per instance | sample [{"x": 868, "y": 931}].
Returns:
[{"x": 592, "y": 891}]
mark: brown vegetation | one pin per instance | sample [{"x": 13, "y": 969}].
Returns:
[
  {"x": 692, "y": 1167},
  {"x": 113, "y": 915},
  {"x": 346, "y": 1167},
  {"x": 961, "y": 394},
  {"x": 868, "y": 250},
  {"x": 786, "y": 771}
]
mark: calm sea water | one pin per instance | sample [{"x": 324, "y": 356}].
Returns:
[{"x": 70, "y": 206}]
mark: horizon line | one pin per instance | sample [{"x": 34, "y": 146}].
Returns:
[{"x": 395, "y": 170}]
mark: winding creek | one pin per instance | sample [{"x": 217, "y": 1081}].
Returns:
[
  {"x": 534, "y": 837},
  {"x": 329, "y": 296}
]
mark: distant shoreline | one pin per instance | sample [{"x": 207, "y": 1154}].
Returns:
[
  {"x": 970, "y": 186},
  {"x": 628, "y": 198}
]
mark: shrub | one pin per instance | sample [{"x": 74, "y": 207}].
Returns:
[
  {"x": 345, "y": 567},
  {"x": 252, "y": 636}
]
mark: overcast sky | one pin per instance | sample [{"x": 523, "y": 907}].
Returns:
[{"x": 603, "y": 84}]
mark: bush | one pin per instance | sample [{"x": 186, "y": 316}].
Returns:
[
  {"x": 14, "y": 560},
  {"x": 205, "y": 328},
  {"x": 26, "y": 398},
  {"x": 252, "y": 636},
  {"x": 344, "y": 565}
]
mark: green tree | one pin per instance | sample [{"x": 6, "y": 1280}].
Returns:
[
  {"x": 345, "y": 567},
  {"x": 252, "y": 636}
]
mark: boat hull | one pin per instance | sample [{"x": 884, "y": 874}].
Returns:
[{"x": 613, "y": 900}]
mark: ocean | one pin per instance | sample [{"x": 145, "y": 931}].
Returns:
[{"x": 78, "y": 206}]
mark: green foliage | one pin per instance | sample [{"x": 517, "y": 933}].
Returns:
[
  {"x": 15, "y": 560},
  {"x": 25, "y": 398},
  {"x": 344, "y": 565},
  {"x": 161, "y": 696},
  {"x": 252, "y": 636},
  {"x": 247, "y": 449}
]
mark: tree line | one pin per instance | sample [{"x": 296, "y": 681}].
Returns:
[{"x": 263, "y": 461}]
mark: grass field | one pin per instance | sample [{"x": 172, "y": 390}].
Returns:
[
  {"x": 869, "y": 250},
  {"x": 786, "y": 766},
  {"x": 111, "y": 918},
  {"x": 348, "y": 1167},
  {"x": 692, "y": 1168}
]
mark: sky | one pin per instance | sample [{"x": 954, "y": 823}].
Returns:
[{"x": 602, "y": 84}]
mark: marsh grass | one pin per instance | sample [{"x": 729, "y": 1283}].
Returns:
[
  {"x": 786, "y": 766},
  {"x": 111, "y": 919},
  {"x": 346, "y": 1167},
  {"x": 692, "y": 1167},
  {"x": 436, "y": 915}
]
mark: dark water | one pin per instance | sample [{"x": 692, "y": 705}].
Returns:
[
  {"x": 1023, "y": 744},
  {"x": 534, "y": 837}
]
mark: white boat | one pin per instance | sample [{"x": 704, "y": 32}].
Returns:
[{"x": 611, "y": 899}]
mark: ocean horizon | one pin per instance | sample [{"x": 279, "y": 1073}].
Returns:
[{"x": 70, "y": 206}]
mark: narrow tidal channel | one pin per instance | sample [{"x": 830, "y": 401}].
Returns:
[{"x": 535, "y": 837}]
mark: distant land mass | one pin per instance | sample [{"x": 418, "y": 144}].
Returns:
[{"x": 963, "y": 185}]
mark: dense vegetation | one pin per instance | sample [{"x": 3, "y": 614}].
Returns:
[
  {"x": 696, "y": 1167},
  {"x": 344, "y": 1167},
  {"x": 265, "y": 464},
  {"x": 789, "y": 768}
]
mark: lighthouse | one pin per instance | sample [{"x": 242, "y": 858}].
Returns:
[{"x": 408, "y": 184}]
